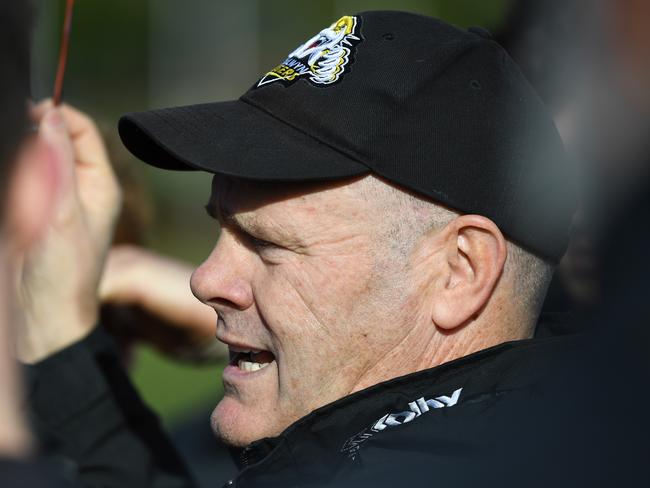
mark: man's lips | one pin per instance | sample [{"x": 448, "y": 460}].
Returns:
[
  {"x": 251, "y": 361},
  {"x": 247, "y": 358},
  {"x": 242, "y": 366}
]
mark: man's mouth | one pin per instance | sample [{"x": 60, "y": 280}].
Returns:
[{"x": 250, "y": 360}]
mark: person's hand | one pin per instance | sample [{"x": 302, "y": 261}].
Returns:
[
  {"x": 150, "y": 297},
  {"x": 58, "y": 278}
]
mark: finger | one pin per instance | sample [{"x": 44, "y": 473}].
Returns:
[
  {"x": 86, "y": 138},
  {"x": 78, "y": 121},
  {"x": 120, "y": 266},
  {"x": 38, "y": 110},
  {"x": 112, "y": 278}
]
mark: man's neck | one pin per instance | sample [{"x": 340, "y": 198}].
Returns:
[{"x": 427, "y": 347}]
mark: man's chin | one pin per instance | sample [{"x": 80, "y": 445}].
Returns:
[{"x": 234, "y": 426}]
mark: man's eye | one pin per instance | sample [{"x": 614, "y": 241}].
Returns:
[{"x": 259, "y": 243}]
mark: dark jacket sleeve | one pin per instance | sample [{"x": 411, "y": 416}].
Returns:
[
  {"x": 28, "y": 474},
  {"x": 92, "y": 424}
]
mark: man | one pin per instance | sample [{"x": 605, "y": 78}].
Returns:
[{"x": 392, "y": 198}]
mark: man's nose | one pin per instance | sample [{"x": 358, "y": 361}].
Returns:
[{"x": 222, "y": 280}]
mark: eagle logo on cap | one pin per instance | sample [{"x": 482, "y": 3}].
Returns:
[{"x": 322, "y": 59}]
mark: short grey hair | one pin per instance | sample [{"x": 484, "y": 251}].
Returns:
[{"x": 414, "y": 215}]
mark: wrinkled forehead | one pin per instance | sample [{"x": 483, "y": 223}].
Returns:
[{"x": 236, "y": 195}]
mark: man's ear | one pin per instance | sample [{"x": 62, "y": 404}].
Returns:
[
  {"x": 474, "y": 257},
  {"x": 32, "y": 193}
]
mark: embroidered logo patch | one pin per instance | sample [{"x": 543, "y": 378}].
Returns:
[{"x": 322, "y": 59}]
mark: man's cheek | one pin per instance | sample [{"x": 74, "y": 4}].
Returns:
[
  {"x": 312, "y": 378},
  {"x": 347, "y": 272},
  {"x": 282, "y": 301},
  {"x": 330, "y": 285}
]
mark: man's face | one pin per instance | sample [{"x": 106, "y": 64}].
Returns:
[{"x": 305, "y": 276}]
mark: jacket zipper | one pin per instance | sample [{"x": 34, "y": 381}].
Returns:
[{"x": 244, "y": 457}]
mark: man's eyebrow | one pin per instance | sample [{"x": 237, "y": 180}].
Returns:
[
  {"x": 251, "y": 225},
  {"x": 223, "y": 215}
]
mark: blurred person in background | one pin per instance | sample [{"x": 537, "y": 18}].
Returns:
[
  {"x": 554, "y": 44},
  {"x": 586, "y": 60},
  {"x": 37, "y": 197},
  {"x": 69, "y": 374},
  {"x": 60, "y": 201},
  {"x": 22, "y": 173},
  {"x": 75, "y": 380},
  {"x": 145, "y": 296}
]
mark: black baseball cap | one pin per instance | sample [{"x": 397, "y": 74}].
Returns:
[{"x": 442, "y": 111}]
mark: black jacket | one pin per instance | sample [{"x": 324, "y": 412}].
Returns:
[
  {"x": 28, "y": 474},
  {"x": 93, "y": 427},
  {"x": 439, "y": 426}
]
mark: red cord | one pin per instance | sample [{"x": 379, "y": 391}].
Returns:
[{"x": 63, "y": 52}]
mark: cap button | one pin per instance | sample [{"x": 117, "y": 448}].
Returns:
[{"x": 480, "y": 31}]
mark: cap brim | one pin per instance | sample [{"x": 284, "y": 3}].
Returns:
[{"x": 232, "y": 138}]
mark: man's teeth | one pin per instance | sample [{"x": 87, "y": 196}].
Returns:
[
  {"x": 244, "y": 351},
  {"x": 250, "y": 366}
]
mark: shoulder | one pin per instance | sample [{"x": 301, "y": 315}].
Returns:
[{"x": 499, "y": 394}]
